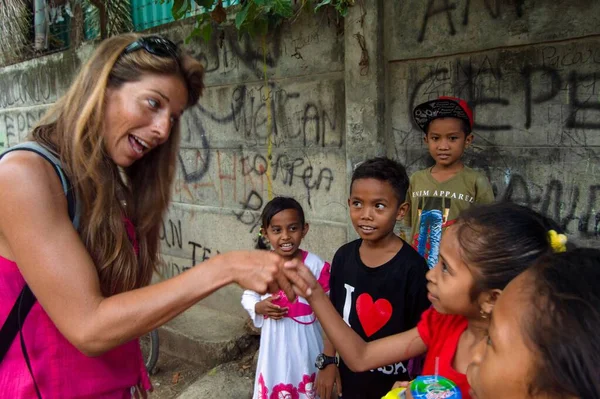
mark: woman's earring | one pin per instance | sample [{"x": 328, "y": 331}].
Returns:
[{"x": 483, "y": 314}]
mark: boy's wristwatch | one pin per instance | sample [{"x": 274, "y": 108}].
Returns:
[{"x": 323, "y": 361}]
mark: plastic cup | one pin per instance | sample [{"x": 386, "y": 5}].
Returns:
[{"x": 434, "y": 387}]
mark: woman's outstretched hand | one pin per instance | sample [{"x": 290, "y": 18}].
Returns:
[{"x": 263, "y": 272}]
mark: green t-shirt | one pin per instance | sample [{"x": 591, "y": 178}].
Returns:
[{"x": 434, "y": 205}]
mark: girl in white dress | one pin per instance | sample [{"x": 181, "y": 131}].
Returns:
[{"x": 290, "y": 333}]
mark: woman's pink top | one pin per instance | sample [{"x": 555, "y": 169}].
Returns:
[{"x": 60, "y": 370}]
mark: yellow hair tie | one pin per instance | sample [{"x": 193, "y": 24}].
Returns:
[{"x": 558, "y": 242}]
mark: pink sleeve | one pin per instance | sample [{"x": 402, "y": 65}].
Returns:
[
  {"x": 324, "y": 277},
  {"x": 424, "y": 326}
]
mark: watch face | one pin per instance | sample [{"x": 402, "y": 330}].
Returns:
[{"x": 319, "y": 361}]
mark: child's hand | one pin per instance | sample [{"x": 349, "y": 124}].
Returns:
[
  {"x": 404, "y": 384},
  {"x": 401, "y": 384},
  {"x": 268, "y": 308},
  {"x": 259, "y": 271},
  {"x": 302, "y": 279},
  {"x": 326, "y": 380}
]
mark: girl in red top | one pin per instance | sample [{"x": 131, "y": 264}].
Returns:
[{"x": 480, "y": 254}]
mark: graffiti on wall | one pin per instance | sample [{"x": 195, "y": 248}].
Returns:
[
  {"x": 16, "y": 124},
  {"x": 543, "y": 100},
  {"x": 542, "y": 83},
  {"x": 239, "y": 179},
  {"x": 226, "y": 55},
  {"x": 575, "y": 207},
  {"x": 452, "y": 16},
  {"x": 27, "y": 87},
  {"x": 224, "y": 159},
  {"x": 172, "y": 236}
]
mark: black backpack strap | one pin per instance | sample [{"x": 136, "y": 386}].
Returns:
[
  {"x": 11, "y": 326},
  {"x": 26, "y": 299}
]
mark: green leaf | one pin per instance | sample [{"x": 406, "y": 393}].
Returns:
[
  {"x": 194, "y": 33},
  {"x": 255, "y": 17},
  {"x": 206, "y": 31},
  {"x": 283, "y": 8},
  {"x": 208, "y": 4},
  {"x": 177, "y": 5},
  {"x": 179, "y": 8},
  {"x": 342, "y": 9},
  {"x": 322, "y": 3},
  {"x": 242, "y": 14},
  {"x": 202, "y": 29}
]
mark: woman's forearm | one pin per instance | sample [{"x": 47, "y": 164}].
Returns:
[{"x": 120, "y": 318}]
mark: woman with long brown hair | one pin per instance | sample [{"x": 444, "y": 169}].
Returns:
[{"x": 110, "y": 144}]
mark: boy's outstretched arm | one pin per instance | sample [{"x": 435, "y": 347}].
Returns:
[{"x": 357, "y": 354}]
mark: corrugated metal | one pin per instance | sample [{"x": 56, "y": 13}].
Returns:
[{"x": 150, "y": 13}]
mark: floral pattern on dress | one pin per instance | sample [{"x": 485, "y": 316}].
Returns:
[
  {"x": 307, "y": 386},
  {"x": 284, "y": 391},
  {"x": 263, "y": 391}
]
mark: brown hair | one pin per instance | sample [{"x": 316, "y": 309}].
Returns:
[
  {"x": 562, "y": 324},
  {"x": 386, "y": 170},
  {"x": 73, "y": 128},
  {"x": 501, "y": 241}
]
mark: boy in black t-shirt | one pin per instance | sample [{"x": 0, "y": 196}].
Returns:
[{"x": 377, "y": 282}]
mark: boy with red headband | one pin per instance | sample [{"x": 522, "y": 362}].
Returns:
[{"x": 439, "y": 193}]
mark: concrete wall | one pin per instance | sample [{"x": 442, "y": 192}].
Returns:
[
  {"x": 226, "y": 165},
  {"x": 531, "y": 71},
  {"x": 336, "y": 97}
]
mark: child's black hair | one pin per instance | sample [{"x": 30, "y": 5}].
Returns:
[
  {"x": 384, "y": 169},
  {"x": 563, "y": 323},
  {"x": 464, "y": 126},
  {"x": 501, "y": 241},
  {"x": 272, "y": 208}
]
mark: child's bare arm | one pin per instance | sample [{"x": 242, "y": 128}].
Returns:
[
  {"x": 330, "y": 375},
  {"x": 328, "y": 348},
  {"x": 249, "y": 301},
  {"x": 357, "y": 354}
]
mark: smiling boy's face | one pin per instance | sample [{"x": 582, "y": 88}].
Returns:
[
  {"x": 446, "y": 140},
  {"x": 374, "y": 208}
]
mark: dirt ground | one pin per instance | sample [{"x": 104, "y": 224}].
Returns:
[{"x": 173, "y": 375}]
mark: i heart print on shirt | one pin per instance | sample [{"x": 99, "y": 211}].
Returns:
[{"x": 372, "y": 315}]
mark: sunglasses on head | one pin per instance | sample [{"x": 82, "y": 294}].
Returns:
[{"x": 154, "y": 45}]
